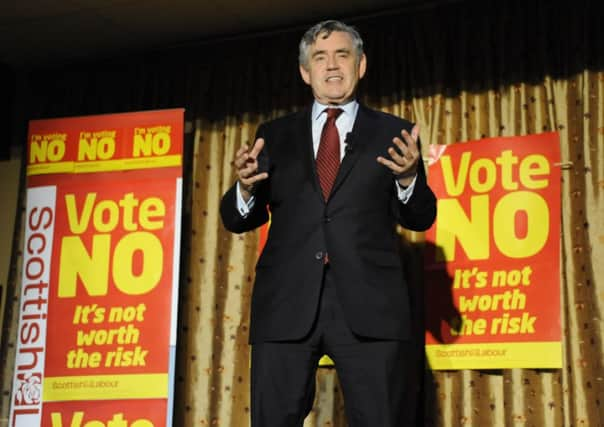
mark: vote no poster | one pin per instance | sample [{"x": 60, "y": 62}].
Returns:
[
  {"x": 97, "y": 322},
  {"x": 493, "y": 255}
]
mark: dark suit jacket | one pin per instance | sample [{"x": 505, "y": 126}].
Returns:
[{"x": 356, "y": 227}]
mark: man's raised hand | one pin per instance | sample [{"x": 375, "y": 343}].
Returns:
[
  {"x": 403, "y": 161},
  {"x": 246, "y": 163}
]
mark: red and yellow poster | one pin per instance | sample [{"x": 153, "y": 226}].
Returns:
[
  {"x": 97, "y": 326},
  {"x": 492, "y": 256}
]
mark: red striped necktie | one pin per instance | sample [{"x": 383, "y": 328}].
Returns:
[{"x": 328, "y": 155}]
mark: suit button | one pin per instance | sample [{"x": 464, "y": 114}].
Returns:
[
  {"x": 327, "y": 219},
  {"x": 319, "y": 255}
]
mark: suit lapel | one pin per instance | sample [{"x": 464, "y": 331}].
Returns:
[
  {"x": 359, "y": 137},
  {"x": 309, "y": 154}
]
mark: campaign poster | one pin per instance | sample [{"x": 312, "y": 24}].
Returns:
[
  {"x": 492, "y": 258},
  {"x": 97, "y": 323}
]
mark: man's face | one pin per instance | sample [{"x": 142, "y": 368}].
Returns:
[{"x": 333, "y": 68}]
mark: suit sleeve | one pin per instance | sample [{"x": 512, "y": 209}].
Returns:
[
  {"x": 258, "y": 215},
  {"x": 232, "y": 219}
]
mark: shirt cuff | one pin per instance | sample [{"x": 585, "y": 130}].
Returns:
[
  {"x": 242, "y": 207},
  {"x": 404, "y": 194}
]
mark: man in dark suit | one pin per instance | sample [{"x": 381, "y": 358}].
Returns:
[{"x": 337, "y": 179}]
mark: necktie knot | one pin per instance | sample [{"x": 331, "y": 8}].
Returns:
[{"x": 333, "y": 113}]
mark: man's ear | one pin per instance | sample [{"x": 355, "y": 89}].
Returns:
[
  {"x": 362, "y": 66},
  {"x": 305, "y": 74}
]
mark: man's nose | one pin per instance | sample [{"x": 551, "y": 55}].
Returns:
[{"x": 332, "y": 62}]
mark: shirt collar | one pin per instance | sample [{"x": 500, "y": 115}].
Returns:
[{"x": 350, "y": 108}]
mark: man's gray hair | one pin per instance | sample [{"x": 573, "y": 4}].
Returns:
[{"x": 324, "y": 29}]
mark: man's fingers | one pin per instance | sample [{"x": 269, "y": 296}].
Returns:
[
  {"x": 254, "y": 179},
  {"x": 258, "y": 145},
  {"x": 410, "y": 140},
  {"x": 403, "y": 149},
  {"x": 241, "y": 156},
  {"x": 396, "y": 155},
  {"x": 250, "y": 168},
  {"x": 394, "y": 167},
  {"x": 259, "y": 177},
  {"x": 241, "y": 160},
  {"x": 241, "y": 150},
  {"x": 245, "y": 159},
  {"x": 415, "y": 132},
  {"x": 404, "y": 157},
  {"x": 407, "y": 151},
  {"x": 413, "y": 136}
]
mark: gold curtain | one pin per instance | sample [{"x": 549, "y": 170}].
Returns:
[{"x": 213, "y": 357}]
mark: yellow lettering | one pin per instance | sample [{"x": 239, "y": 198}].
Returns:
[
  {"x": 117, "y": 420},
  {"x": 161, "y": 143},
  {"x": 507, "y": 160},
  {"x": 504, "y": 230},
  {"x": 103, "y": 148},
  {"x": 52, "y": 151},
  {"x": 106, "y": 216},
  {"x": 532, "y": 166},
  {"x": 56, "y": 150},
  {"x": 79, "y": 223},
  {"x": 125, "y": 279},
  {"x": 37, "y": 151},
  {"x": 151, "y": 143},
  {"x": 453, "y": 186},
  {"x": 128, "y": 203},
  {"x": 151, "y": 213},
  {"x": 92, "y": 269},
  {"x": 57, "y": 419},
  {"x": 142, "y": 144},
  {"x": 490, "y": 175},
  {"x": 471, "y": 233},
  {"x": 87, "y": 149}
]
